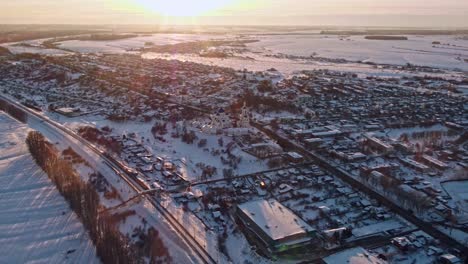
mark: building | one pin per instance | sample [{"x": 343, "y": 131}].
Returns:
[
  {"x": 414, "y": 164},
  {"x": 218, "y": 121},
  {"x": 264, "y": 150},
  {"x": 244, "y": 118},
  {"x": 327, "y": 134},
  {"x": 313, "y": 142},
  {"x": 294, "y": 157},
  {"x": 68, "y": 111},
  {"x": 449, "y": 259},
  {"x": 428, "y": 160},
  {"x": 221, "y": 120},
  {"x": 379, "y": 145},
  {"x": 273, "y": 225}
]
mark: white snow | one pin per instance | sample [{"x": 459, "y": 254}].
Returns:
[
  {"x": 417, "y": 50},
  {"x": 378, "y": 227},
  {"x": 457, "y": 234},
  {"x": 36, "y": 223},
  {"x": 458, "y": 190},
  {"x": 185, "y": 155},
  {"x": 356, "y": 255}
]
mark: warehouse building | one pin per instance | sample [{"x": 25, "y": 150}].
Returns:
[{"x": 273, "y": 225}]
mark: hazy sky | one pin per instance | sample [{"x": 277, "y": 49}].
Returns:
[{"x": 446, "y": 13}]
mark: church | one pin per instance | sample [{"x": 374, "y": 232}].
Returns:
[{"x": 221, "y": 120}]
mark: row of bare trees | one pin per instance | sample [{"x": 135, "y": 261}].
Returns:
[
  {"x": 12, "y": 110},
  {"x": 111, "y": 245},
  {"x": 95, "y": 135},
  {"x": 393, "y": 187}
]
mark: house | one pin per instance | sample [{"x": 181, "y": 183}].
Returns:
[
  {"x": 378, "y": 145},
  {"x": 402, "y": 243},
  {"x": 330, "y": 234},
  {"x": 414, "y": 164},
  {"x": 285, "y": 188},
  {"x": 68, "y": 111},
  {"x": 313, "y": 142},
  {"x": 294, "y": 157},
  {"x": 430, "y": 161},
  {"x": 327, "y": 134}
]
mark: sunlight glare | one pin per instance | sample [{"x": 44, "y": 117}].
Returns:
[{"x": 183, "y": 8}]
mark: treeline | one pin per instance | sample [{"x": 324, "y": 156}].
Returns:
[
  {"x": 425, "y": 32},
  {"x": 196, "y": 46},
  {"x": 111, "y": 245},
  {"x": 268, "y": 103},
  {"x": 54, "y": 43},
  {"x": 12, "y": 110},
  {"x": 403, "y": 194},
  {"x": 94, "y": 135},
  {"x": 22, "y": 35},
  {"x": 380, "y": 37}
]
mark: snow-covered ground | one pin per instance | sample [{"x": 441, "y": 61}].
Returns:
[
  {"x": 417, "y": 50},
  {"x": 451, "y": 53},
  {"x": 38, "y": 50},
  {"x": 285, "y": 66},
  {"x": 384, "y": 226},
  {"x": 458, "y": 191},
  {"x": 173, "y": 149},
  {"x": 36, "y": 223},
  {"x": 123, "y": 45},
  {"x": 457, "y": 234}
]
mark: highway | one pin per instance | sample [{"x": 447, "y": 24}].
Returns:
[{"x": 120, "y": 171}]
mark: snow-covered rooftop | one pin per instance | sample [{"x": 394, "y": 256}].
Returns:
[{"x": 274, "y": 219}]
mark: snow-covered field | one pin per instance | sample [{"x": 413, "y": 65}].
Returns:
[
  {"x": 36, "y": 223},
  {"x": 458, "y": 191},
  {"x": 38, "y": 50},
  {"x": 263, "y": 63},
  {"x": 417, "y": 50},
  {"x": 123, "y": 45}
]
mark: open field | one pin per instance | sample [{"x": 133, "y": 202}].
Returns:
[{"x": 36, "y": 224}]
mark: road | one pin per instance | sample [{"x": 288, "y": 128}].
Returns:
[
  {"x": 111, "y": 165},
  {"x": 346, "y": 177}
]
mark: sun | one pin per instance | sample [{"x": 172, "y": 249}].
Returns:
[{"x": 182, "y": 8}]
